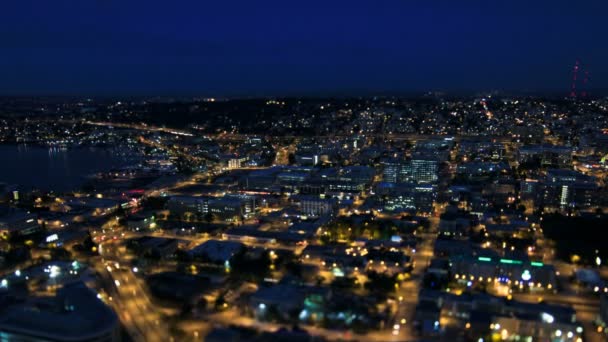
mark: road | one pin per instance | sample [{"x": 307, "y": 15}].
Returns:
[
  {"x": 141, "y": 318},
  {"x": 407, "y": 294}
]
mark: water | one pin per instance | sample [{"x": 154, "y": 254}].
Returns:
[{"x": 56, "y": 169}]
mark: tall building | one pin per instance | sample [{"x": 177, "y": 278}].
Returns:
[
  {"x": 424, "y": 170},
  {"x": 416, "y": 170},
  {"x": 569, "y": 189}
]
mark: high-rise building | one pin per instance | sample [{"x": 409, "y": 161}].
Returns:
[{"x": 424, "y": 170}]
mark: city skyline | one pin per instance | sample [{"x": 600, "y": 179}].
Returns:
[{"x": 386, "y": 170}]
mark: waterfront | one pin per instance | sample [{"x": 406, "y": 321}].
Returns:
[{"x": 54, "y": 168}]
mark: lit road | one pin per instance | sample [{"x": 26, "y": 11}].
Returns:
[
  {"x": 129, "y": 298},
  {"x": 409, "y": 289}
]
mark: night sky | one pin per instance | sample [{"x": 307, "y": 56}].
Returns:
[{"x": 290, "y": 47}]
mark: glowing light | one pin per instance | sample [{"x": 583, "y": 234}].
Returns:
[
  {"x": 547, "y": 318},
  {"x": 54, "y": 271}
]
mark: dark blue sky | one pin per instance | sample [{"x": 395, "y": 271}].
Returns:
[{"x": 223, "y": 47}]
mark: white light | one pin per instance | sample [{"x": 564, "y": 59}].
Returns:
[
  {"x": 262, "y": 306},
  {"x": 4, "y": 283},
  {"x": 598, "y": 261},
  {"x": 526, "y": 275},
  {"x": 55, "y": 271},
  {"x": 18, "y": 273},
  {"x": 579, "y": 330},
  {"x": 135, "y": 269},
  {"x": 117, "y": 283},
  {"x": 396, "y": 327},
  {"x": 570, "y": 334},
  {"x": 558, "y": 333},
  {"x": 547, "y": 318},
  {"x": 51, "y": 238}
]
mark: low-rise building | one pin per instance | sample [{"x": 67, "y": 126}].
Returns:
[
  {"x": 75, "y": 314},
  {"x": 18, "y": 224}
]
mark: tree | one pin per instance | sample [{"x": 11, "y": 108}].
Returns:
[
  {"x": 209, "y": 217},
  {"x": 250, "y": 268},
  {"x": 380, "y": 283},
  {"x": 291, "y": 158},
  {"x": 344, "y": 283},
  {"x": 155, "y": 203},
  {"x": 60, "y": 254},
  {"x": 220, "y": 300}
]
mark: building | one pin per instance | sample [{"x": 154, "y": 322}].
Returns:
[
  {"x": 155, "y": 246},
  {"x": 253, "y": 234},
  {"x": 514, "y": 273},
  {"x": 217, "y": 251},
  {"x": 236, "y": 162},
  {"x": 569, "y": 189},
  {"x": 75, "y": 314},
  {"x": 18, "y": 224},
  {"x": 141, "y": 222},
  {"x": 419, "y": 169},
  {"x": 424, "y": 170},
  {"x": 399, "y": 197},
  {"x": 282, "y": 298},
  {"x": 545, "y": 155},
  {"x": 315, "y": 206},
  {"x": 229, "y": 208},
  {"x": 487, "y": 317},
  {"x": 192, "y": 204},
  {"x": 96, "y": 206}
]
